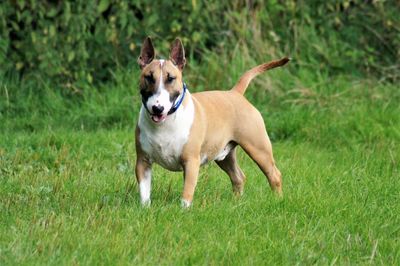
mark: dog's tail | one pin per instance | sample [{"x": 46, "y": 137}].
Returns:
[{"x": 244, "y": 81}]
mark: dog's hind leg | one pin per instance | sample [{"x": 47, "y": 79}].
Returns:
[
  {"x": 260, "y": 150},
  {"x": 231, "y": 167}
]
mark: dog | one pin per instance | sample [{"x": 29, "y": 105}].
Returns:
[{"x": 182, "y": 131}]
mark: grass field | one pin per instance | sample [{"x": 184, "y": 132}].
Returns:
[{"x": 68, "y": 193}]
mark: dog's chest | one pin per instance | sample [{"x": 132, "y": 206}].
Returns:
[
  {"x": 163, "y": 148},
  {"x": 164, "y": 143}
]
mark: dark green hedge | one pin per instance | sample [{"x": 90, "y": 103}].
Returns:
[{"x": 69, "y": 42}]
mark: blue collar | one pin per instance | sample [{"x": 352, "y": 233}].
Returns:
[{"x": 179, "y": 102}]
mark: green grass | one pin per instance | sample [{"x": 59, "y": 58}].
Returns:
[
  {"x": 70, "y": 197},
  {"x": 68, "y": 193}
]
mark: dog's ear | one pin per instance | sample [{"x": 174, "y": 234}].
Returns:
[
  {"x": 177, "y": 54},
  {"x": 147, "y": 53}
]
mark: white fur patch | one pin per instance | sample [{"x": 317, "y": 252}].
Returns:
[
  {"x": 161, "y": 97},
  {"x": 204, "y": 159},
  {"x": 163, "y": 142},
  {"x": 185, "y": 203},
  {"x": 145, "y": 188},
  {"x": 223, "y": 153}
]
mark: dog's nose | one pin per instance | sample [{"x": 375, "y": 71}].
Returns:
[{"x": 157, "y": 109}]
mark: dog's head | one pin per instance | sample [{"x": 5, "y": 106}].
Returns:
[{"x": 161, "y": 80}]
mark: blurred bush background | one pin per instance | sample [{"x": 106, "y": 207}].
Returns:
[
  {"x": 74, "y": 43},
  {"x": 72, "y": 64}
]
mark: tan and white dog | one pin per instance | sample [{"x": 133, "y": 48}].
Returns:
[{"x": 182, "y": 131}]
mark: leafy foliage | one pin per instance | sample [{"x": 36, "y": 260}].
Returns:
[{"x": 85, "y": 41}]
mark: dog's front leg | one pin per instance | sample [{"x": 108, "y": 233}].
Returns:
[
  {"x": 191, "y": 172},
  {"x": 143, "y": 177}
]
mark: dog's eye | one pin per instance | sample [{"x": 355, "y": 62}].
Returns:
[
  {"x": 170, "y": 78},
  {"x": 149, "y": 78}
]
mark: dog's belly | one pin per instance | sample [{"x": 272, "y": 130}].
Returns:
[
  {"x": 220, "y": 155},
  {"x": 224, "y": 152}
]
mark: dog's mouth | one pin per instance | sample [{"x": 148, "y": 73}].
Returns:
[{"x": 158, "y": 118}]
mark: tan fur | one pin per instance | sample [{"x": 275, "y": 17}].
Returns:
[
  {"x": 154, "y": 70},
  {"x": 244, "y": 81},
  {"x": 222, "y": 118}
]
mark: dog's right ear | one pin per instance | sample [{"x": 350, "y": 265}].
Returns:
[
  {"x": 147, "y": 53},
  {"x": 177, "y": 54}
]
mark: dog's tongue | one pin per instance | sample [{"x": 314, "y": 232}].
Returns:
[{"x": 158, "y": 118}]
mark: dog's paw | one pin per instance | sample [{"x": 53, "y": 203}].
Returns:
[
  {"x": 186, "y": 204},
  {"x": 146, "y": 203}
]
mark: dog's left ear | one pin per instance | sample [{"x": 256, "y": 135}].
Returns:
[{"x": 177, "y": 54}]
